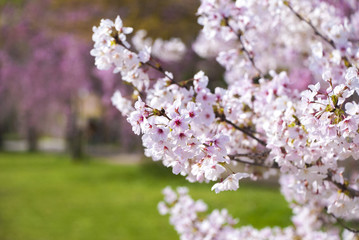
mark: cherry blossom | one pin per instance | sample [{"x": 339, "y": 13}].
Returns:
[{"x": 261, "y": 124}]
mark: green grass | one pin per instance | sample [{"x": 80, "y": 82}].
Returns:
[{"x": 47, "y": 197}]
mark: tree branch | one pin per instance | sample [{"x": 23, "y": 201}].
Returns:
[
  {"x": 343, "y": 187},
  {"x": 243, "y": 48},
  {"x": 342, "y": 223},
  {"x": 243, "y": 130},
  {"x": 350, "y": 192},
  {"x": 249, "y": 56},
  {"x": 255, "y": 157},
  {"x": 316, "y": 31},
  {"x": 157, "y": 66}
]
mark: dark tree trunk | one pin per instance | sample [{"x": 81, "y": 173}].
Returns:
[
  {"x": 2, "y": 132},
  {"x": 32, "y": 139},
  {"x": 77, "y": 145},
  {"x": 75, "y": 139}
]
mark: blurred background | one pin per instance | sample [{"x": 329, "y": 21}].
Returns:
[
  {"x": 70, "y": 166},
  {"x": 51, "y": 95}
]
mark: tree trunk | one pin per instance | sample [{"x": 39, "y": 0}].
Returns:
[
  {"x": 77, "y": 145},
  {"x": 2, "y": 132},
  {"x": 75, "y": 139},
  {"x": 32, "y": 139}
]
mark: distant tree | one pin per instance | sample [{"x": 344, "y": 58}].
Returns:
[
  {"x": 41, "y": 73},
  {"x": 45, "y": 69}
]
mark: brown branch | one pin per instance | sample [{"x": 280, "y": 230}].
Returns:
[
  {"x": 254, "y": 156},
  {"x": 346, "y": 189},
  {"x": 134, "y": 88},
  {"x": 351, "y": 192},
  {"x": 158, "y": 68},
  {"x": 243, "y": 130},
  {"x": 356, "y": 40}
]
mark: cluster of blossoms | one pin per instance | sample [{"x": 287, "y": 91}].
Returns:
[
  {"x": 191, "y": 222},
  {"x": 290, "y": 109},
  {"x": 168, "y": 51}
]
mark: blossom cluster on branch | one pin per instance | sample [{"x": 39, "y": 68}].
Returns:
[
  {"x": 290, "y": 109},
  {"x": 191, "y": 222}
]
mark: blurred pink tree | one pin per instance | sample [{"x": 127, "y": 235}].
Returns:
[{"x": 43, "y": 72}]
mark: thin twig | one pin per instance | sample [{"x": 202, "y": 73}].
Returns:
[
  {"x": 249, "y": 56},
  {"x": 243, "y": 130},
  {"x": 254, "y": 157},
  {"x": 157, "y": 67},
  {"x": 316, "y": 31},
  {"x": 135, "y": 88},
  {"x": 160, "y": 69},
  {"x": 342, "y": 223},
  {"x": 243, "y": 48}
]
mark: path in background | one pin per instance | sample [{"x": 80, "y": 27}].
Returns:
[
  {"x": 106, "y": 153},
  {"x": 45, "y": 145}
]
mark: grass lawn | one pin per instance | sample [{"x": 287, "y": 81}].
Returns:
[{"x": 47, "y": 197}]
